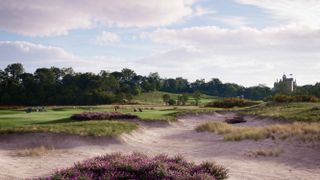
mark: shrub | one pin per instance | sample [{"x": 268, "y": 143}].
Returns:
[
  {"x": 171, "y": 102},
  {"x": 231, "y": 102},
  {"x": 280, "y": 98},
  {"x": 139, "y": 166},
  {"x": 166, "y": 98},
  {"x": 102, "y": 116}
]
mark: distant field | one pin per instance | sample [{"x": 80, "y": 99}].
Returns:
[
  {"x": 292, "y": 111},
  {"x": 153, "y": 97},
  {"x": 156, "y": 98}
]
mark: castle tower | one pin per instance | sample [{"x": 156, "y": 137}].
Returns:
[{"x": 285, "y": 85}]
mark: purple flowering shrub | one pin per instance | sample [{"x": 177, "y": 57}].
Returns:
[
  {"x": 138, "y": 166},
  {"x": 102, "y": 116}
]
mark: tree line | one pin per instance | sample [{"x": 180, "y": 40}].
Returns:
[{"x": 64, "y": 86}]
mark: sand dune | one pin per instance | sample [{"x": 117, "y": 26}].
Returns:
[{"x": 298, "y": 161}]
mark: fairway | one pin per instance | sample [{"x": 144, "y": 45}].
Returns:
[{"x": 57, "y": 120}]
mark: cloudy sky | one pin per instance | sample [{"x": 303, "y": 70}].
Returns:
[{"x": 249, "y": 42}]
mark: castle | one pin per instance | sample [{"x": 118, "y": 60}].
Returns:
[{"x": 285, "y": 85}]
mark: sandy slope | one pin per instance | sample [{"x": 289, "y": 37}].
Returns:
[{"x": 299, "y": 161}]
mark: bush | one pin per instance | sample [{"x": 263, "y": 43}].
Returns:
[
  {"x": 231, "y": 102},
  {"x": 102, "y": 116},
  {"x": 139, "y": 166},
  {"x": 171, "y": 102},
  {"x": 294, "y": 98}
]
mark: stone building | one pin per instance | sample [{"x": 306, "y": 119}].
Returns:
[{"x": 285, "y": 85}]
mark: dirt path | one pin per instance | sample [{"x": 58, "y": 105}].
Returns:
[{"x": 298, "y": 161}]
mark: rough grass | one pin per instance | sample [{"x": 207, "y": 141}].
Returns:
[
  {"x": 92, "y": 128},
  {"x": 265, "y": 152},
  {"x": 305, "y": 131},
  {"x": 309, "y": 112},
  {"x": 138, "y": 166},
  {"x": 34, "y": 152}
]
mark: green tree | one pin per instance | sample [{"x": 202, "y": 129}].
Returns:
[
  {"x": 197, "y": 95},
  {"x": 14, "y": 70},
  {"x": 166, "y": 98},
  {"x": 182, "y": 99},
  {"x": 171, "y": 102}
]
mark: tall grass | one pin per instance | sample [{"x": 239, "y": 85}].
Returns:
[{"x": 305, "y": 131}]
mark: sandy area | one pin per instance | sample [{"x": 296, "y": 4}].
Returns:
[{"x": 298, "y": 160}]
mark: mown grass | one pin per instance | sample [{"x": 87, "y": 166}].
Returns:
[
  {"x": 301, "y": 130},
  {"x": 57, "y": 120},
  {"x": 309, "y": 112},
  {"x": 156, "y": 98},
  {"x": 153, "y": 97}
]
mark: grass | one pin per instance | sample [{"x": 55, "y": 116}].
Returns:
[
  {"x": 153, "y": 97},
  {"x": 34, "y": 152},
  {"x": 89, "y": 128},
  {"x": 156, "y": 98},
  {"x": 301, "y": 130},
  {"x": 309, "y": 112},
  {"x": 57, "y": 120},
  {"x": 265, "y": 152}
]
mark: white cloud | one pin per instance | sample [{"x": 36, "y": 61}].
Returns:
[
  {"x": 215, "y": 39},
  {"x": 57, "y": 17},
  {"x": 245, "y": 55},
  {"x": 243, "y": 67},
  {"x": 22, "y": 51},
  {"x": 200, "y": 11},
  {"x": 235, "y": 21},
  {"x": 294, "y": 11},
  {"x": 34, "y": 56},
  {"x": 107, "y": 37}
]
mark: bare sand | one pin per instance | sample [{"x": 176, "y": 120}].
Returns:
[{"x": 298, "y": 160}]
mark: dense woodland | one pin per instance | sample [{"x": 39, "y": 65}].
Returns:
[{"x": 63, "y": 86}]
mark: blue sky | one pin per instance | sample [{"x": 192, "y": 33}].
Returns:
[{"x": 249, "y": 42}]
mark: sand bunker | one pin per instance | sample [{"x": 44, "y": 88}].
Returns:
[{"x": 296, "y": 161}]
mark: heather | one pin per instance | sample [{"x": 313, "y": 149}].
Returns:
[
  {"x": 102, "y": 116},
  {"x": 139, "y": 166}
]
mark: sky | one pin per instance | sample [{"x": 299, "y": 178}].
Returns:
[{"x": 248, "y": 42}]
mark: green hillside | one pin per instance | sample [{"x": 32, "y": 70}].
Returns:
[{"x": 156, "y": 98}]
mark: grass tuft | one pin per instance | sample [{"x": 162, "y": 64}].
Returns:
[
  {"x": 265, "y": 152},
  {"x": 34, "y": 152}
]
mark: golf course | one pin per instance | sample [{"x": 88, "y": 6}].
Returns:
[{"x": 275, "y": 140}]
